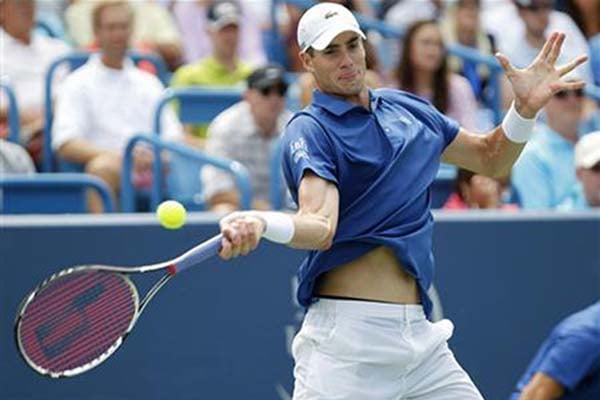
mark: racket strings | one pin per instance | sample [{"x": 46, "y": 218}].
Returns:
[{"x": 76, "y": 318}]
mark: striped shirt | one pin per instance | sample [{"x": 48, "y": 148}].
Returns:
[{"x": 234, "y": 135}]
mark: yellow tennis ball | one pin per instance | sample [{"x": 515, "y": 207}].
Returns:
[{"x": 171, "y": 214}]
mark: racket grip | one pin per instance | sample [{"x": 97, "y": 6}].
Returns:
[{"x": 196, "y": 255}]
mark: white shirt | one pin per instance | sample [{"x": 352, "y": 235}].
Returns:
[
  {"x": 25, "y": 66},
  {"x": 108, "y": 106},
  {"x": 512, "y": 41}
]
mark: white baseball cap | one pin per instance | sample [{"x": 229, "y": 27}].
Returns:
[
  {"x": 321, "y": 23},
  {"x": 587, "y": 150}
]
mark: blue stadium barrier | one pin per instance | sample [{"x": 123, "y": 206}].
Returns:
[
  {"x": 200, "y": 158},
  {"x": 14, "y": 123},
  {"x": 74, "y": 61},
  {"x": 223, "y": 330},
  {"x": 50, "y": 193},
  {"x": 195, "y": 105}
]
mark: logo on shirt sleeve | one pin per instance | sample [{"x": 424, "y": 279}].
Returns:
[{"x": 299, "y": 149}]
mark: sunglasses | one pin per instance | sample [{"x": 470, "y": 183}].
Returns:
[
  {"x": 280, "y": 90},
  {"x": 566, "y": 93}
]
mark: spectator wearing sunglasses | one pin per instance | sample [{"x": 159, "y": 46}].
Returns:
[
  {"x": 544, "y": 175},
  {"x": 587, "y": 164},
  {"x": 247, "y": 132}
]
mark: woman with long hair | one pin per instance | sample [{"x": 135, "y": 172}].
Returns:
[{"x": 423, "y": 70}]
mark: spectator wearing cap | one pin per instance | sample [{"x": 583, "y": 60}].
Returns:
[
  {"x": 544, "y": 175},
  {"x": 192, "y": 21},
  {"x": 247, "y": 132},
  {"x": 223, "y": 68},
  {"x": 587, "y": 168}
]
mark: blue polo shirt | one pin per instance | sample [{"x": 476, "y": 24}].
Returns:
[
  {"x": 571, "y": 356},
  {"x": 383, "y": 162}
]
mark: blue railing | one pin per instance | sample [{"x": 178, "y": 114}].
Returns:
[
  {"x": 14, "y": 123},
  {"x": 239, "y": 172}
]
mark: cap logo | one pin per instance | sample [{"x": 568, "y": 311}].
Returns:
[{"x": 330, "y": 14}]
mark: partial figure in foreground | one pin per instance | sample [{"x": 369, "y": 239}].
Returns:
[
  {"x": 567, "y": 365},
  {"x": 359, "y": 163}
]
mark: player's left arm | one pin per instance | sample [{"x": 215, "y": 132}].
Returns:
[
  {"x": 542, "y": 387},
  {"x": 495, "y": 153}
]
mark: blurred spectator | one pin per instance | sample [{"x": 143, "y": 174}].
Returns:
[
  {"x": 567, "y": 365},
  {"x": 461, "y": 25},
  {"x": 474, "y": 191},
  {"x": 106, "y": 101},
  {"x": 247, "y": 132},
  {"x": 586, "y": 14},
  {"x": 25, "y": 58},
  {"x": 423, "y": 70},
  {"x": 154, "y": 29},
  {"x": 14, "y": 159},
  {"x": 406, "y": 12},
  {"x": 530, "y": 22},
  {"x": 544, "y": 174},
  {"x": 223, "y": 67},
  {"x": 587, "y": 163},
  {"x": 192, "y": 21}
]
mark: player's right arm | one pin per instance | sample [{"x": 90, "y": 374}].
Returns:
[
  {"x": 312, "y": 227},
  {"x": 542, "y": 387}
]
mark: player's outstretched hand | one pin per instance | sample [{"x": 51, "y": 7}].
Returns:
[
  {"x": 535, "y": 85},
  {"x": 241, "y": 233}
]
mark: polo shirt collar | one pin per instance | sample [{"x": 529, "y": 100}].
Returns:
[
  {"x": 96, "y": 61},
  {"x": 334, "y": 104}
]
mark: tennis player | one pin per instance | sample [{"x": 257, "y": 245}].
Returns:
[{"x": 359, "y": 163}]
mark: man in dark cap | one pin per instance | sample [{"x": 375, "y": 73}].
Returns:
[{"x": 246, "y": 132}]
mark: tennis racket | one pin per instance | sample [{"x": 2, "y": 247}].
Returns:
[{"x": 80, "y": 316}]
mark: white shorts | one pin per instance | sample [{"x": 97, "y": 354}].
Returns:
[{"x": 349, "y": 350}]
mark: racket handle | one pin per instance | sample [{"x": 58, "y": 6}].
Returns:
[{"x": 196, "y": 255}]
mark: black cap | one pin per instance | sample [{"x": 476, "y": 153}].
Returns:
[
  {"x": 223, "y": 13},
  {"x": 266, "y": 77}
]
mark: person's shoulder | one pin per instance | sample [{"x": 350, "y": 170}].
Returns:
[
  {"x": 52, "y": 45},
  {"x": 234, "y": 116},
  {"x": 188, "y": 74}
]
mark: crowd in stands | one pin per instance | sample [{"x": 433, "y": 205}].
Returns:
[{"x": 230, "y": 44}]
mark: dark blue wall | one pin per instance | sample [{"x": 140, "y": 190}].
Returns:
[{"x": 222, "y": 330}]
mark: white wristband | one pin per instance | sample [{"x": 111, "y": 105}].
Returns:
[
  {"x": 516, "y": 128},
  {"x": 279, "y": 227}
]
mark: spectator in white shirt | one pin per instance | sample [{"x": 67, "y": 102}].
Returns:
[
  {"x": 24, "y": 61},
  {"x": 107, "y": 101}
]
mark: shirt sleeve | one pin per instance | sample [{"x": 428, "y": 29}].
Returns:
[
  {"x": 307, "y": 146},
  {"x": 570, "y": 358}
]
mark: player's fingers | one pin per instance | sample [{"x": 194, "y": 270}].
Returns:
[
  {"x": 545, "y": 52},
  {"x": 556, "y": 47},
  {"x": 225, "y": 252},
  {"x": 570, "y": 66},
  {"x": 560, "y": 86},
  {"x": 509, "y": 70}
]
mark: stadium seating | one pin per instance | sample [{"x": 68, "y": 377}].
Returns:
[
  {"x": 13, "y": 113},
  {"x": 50, "y": 193}
]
